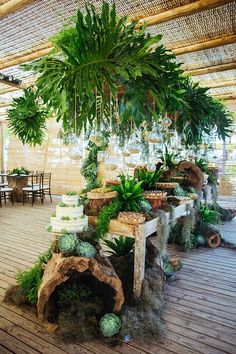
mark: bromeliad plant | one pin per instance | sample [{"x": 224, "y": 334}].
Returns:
[
  {"x": 168, "y": 158},
  {"x": 149, "y": 179},
  {"x": 130, "y": 193},
  {"x": 121, "y": 246},
  {"x": 27, "y": 118}
]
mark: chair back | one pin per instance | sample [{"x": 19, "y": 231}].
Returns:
[
  {"x": 36, "y": 181},
  {"x": 4, "y": 178},
  {"x": 47, "y": 180}
]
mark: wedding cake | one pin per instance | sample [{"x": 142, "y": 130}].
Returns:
[{"x": 69, "y": 216}]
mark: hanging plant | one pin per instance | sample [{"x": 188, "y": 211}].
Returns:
[
  {"x": 27, "y": 118},
  {"x": 200, "y": 115},
  {"x": 106, "y": 65}
]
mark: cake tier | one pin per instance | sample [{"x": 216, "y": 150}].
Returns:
[
  {"x": 70, "y": 199},
  {"x": 74, "y": 225},
  {"x": 72, "y": 212}
]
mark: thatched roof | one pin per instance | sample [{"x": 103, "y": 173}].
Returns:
[{"x": 201, "y": 33}]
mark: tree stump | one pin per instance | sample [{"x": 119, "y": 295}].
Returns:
[
  {"x": 56, "y": 273},
  {"x": 194, "y": 174},
  {"x": 17, "y": 183}
]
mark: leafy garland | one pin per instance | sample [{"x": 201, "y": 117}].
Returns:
[
  {"x": 90, "y": 168},
  {"x": 27, "y": 118}
]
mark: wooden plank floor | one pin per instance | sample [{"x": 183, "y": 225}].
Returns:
[{"x": 200, "y": 311}]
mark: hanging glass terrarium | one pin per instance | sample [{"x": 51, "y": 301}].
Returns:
[
  {"x": 155, "y": 138},
  {"x": 75, "y": 147},
  {"x": 151, "y": 167},
  {"x": 96, "y": 138},
  {"x": 166, "y": 122},
  {"x": 134, "y": 146},
  {"x": 111, "y": 163}
]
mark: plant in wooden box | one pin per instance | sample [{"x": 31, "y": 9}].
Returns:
[
  {"x": 27, "y": 118},
  {"x": 129, "y": 197}
]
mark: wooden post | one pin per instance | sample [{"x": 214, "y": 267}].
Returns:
[{"x": 139, "y": 260}]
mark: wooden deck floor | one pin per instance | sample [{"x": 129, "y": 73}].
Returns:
[{"x": 200, "y": 312}]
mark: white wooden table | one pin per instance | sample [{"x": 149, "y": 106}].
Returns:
[{"x": 140, "y": 233}]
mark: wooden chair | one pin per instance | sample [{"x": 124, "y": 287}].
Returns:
[
  {"x": 46, "y": 187},
  {"x": 34, "y": 189},
  {"x": 3, "y": 180},
  {"x": 6, "y": 193}
]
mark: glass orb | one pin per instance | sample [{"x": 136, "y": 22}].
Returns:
[
  {"x": 155, "y": 138},
  {"x": 96, "y": 138},
  {"x": 151, "y": 167},
  {"x": 166, "y": 122},
  {"x": 75, "y": 152}
]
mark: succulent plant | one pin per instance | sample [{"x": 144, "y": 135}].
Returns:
[
  {"x": 71, "y": 193},
  {"x": 67, "y": 218},
  {"x": 85, "y": 249},
  {"x": 110, "y": 324},
  {"x": 48, "y": 228},
  {"x": 61, "y": 204},
  {"x": 201, "y": 242},
  {"x": 67, "y": 243}
]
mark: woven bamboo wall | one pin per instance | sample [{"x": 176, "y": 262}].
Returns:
[{"x": 51, "y": 156}]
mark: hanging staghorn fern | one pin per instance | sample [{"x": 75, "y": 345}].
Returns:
[{"x": 27, "y": 118}]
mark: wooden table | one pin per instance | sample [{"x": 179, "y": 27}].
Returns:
[
  {"x": 17, "y": 182},
  {"x": 140, "y": 233}
]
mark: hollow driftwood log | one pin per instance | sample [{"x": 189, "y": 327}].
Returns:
[
  {"x": 56, "y": 273},
  {"x": 194, "y": 174}
]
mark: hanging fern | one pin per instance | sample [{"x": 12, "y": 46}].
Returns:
[{"x": 27, "y": 118}]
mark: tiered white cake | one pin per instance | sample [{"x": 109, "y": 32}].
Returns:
[{"x": 69, "y": 215}]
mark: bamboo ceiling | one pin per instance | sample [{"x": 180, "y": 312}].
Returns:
[{"x": 202, "y": 33}]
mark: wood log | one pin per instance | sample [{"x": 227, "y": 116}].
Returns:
[
  {"x": 56, "y": 273},
  {"x": 194, "y": 174},
  {"x": 17, "y": 183}
]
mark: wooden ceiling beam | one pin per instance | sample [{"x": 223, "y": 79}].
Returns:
[
  {"x": 181, "y": 11},
  {"x": 212, "y": 43},
  {"x": 4, "y": 104},
  {"x": 8, "y": 83},
  {"x": 225, "y": 97},
  {"x": 218, "y": 84},
  {"x": 211, "y": 69},
  {"x": 12, "y": 6}
]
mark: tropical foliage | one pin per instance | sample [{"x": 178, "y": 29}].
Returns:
[
  {"x": 148, "y": 178},
  {"x": 168, "y": 158},
  {"x": 121, "y": 246},
  {"x": 130, "y": 193},
  {"x": 100, "y": 65},
  {"x": 27, "y": 118},
  {"x": 201, "y": 115}
]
